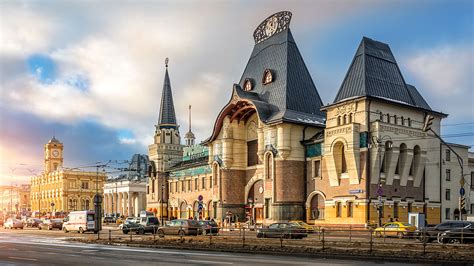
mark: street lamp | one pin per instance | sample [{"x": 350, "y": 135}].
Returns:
[
  {"x": 378, "y": 142},
  {"x": 162, "y": 196}
]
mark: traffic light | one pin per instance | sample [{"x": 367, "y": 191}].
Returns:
[{"x": 428, "y": 122}]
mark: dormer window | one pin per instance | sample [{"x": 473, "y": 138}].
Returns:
[
  {"x": 267, "y": 76},
  {"x": 248, "y": 85}
]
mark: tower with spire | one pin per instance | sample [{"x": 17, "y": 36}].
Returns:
[
  {"x": 166, "y": 149},
  {"x": 189, "y": 138}
]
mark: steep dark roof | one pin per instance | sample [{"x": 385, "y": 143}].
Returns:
[
  {"x": 167, "y": 118},
  {"x": 375, "y": 73},
  {"x": 292, "y": 96},
  {"x": 54, "y": 140}
]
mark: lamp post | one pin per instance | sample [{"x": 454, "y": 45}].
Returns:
[
  {"x": 378, "y": 142},
  {"x": 162, "y": 199}
]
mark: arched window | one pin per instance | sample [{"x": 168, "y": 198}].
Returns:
[
  {"x": 345, "y": 119},
  {"x": 416, "y": 160},
  {"x": 343, "y": 163},
  {"x": 317, "y": 207},
  {"x": 402, "y": 121},
  {"x": 215, "y": 173},
  {"x": 350, "y": 118},
  {"x": 409, "y": 122},
  {"x": 388, "y": 118},
  {"x": 395, "y": 119},
  {"x": 401, "y": 159},
  {"x": 87, "y": 205},
  {"x": 183, "y": 212},
  {"x": 267, "y": 76},
  {"x": 338, "y": 209},
  {"x": 339, "y": 120}
]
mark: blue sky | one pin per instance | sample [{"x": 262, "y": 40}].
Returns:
[{"x": 93, "y": 79}]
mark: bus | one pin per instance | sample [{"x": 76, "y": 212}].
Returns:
[{"x": 80, "y": 221}]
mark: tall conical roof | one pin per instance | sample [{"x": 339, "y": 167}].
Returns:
[
  {"x": 291, "y": 95},
  {"x": 167, "y": 117},
  {"x": 375, "y": 73}
]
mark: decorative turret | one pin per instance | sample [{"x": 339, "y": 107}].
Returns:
[
  {"x": 53, "y": 155},
  {"x": 189, "y": 137},
  {"x": 167, "y": 118}
]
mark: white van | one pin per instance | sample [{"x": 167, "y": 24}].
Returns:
[{"x": 80, "y": 221}]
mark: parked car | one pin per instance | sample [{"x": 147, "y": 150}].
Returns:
[
  {"x": 144, "y": 225},
  {"x": 284, "y": 230},
  {"x": 13, "y": 224},
  {"x": 307, "y": 227},
  {"x": 50, "y": 224},
  {"x": 397, "y": 229},
  {"x": 458, "y": 235},
  {"x": 109, "y": 220},
  {"x": 128, "y": 221},
  {"x": 180, "y": 227},
  {"x": 33, "y": 222},
  {"x": 431, "y": 233},
  {"x": 209, "y": 227}
]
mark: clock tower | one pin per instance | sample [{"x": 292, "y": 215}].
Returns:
[{"x": 53, "y": 155}]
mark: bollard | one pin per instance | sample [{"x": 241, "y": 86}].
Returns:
[
  {"x": 319, "y": 232},
  {"x": 130, "y": 236},
  {"x": 322, "y": 240},
  {"x": 154, "y": 233},
  {"x": 371, "y": 240},
  {"x": 243, "y": 239},
  {"x": 110, "y": 235},
  {"x": 384, "y": 234},
  {"x": 462, "y": 235},
  {"x": 281, "y": 241},
  {"x": 181, "y": 234},
  {"x": 210, "y": 239},
  {"x": 350, "y": 233},
  {"x": 98, "y": 235}
]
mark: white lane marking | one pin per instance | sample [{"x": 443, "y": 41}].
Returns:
[
  {"x": 208, "y": 262},
  {"x": 18, "y": 258}
]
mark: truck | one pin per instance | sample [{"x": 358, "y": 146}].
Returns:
[{"x": 80, "y": 221}]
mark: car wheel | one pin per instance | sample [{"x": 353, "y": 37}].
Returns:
[
  {"x": 454, "y": 241},
  {"x": 378, "y": 234},
  {"x": 181, "y": 233},
  {"x": 259, "y": 235},
  {"x": 400, "y": 235},
  {"x": 141, "y": 231},
  {"x": 161, "y": 233},
  {"x": 125, "y": 231},
  {"x": 286, "y": 236},
  {"x": 81, "y": 231}
]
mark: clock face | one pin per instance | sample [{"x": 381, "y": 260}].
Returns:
[{"x": 55, "y": 153}]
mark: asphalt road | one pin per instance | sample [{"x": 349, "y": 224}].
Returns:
[{"x": 20, "y": 248}]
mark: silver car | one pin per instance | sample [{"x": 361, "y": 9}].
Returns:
[{"x": 13, "y": 223}]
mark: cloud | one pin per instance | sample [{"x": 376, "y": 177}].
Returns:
[{"x": 444, "y": 75}]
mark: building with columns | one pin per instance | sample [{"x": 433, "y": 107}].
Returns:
[
  {"x": 60, "y": 189},
  {"x": 126, "y": 194},
  {"x": 15, "y": 199}
]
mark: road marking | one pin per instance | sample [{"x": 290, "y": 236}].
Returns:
[
  {"x": 209, "y": 262},
  {"x": 18, "y": 258}
]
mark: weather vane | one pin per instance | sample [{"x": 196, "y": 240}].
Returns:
[{"x": 166, "y": 61}]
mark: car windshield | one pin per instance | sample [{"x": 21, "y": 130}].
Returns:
[
  {"x": 57, "y": 221},
  {"x": 90, "y": 217}
]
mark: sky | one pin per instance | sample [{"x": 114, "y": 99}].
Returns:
[{"x": 90, "y": 73}]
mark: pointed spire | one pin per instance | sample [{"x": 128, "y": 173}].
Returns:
[
  {"x": 167, "y": 118},
  {"x": 189, "y": 137}
]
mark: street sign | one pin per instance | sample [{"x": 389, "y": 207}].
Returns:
[
  {"x": 200, "y": 197},
  {"x": 52, "y": 204},
  {"x": 380, "y": 191},
  {"x": 462, "y": 191},
  {"x": 462, "y": 181}
]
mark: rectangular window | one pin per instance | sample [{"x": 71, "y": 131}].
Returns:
[
  {"x": 338, "y": 209},
  {"x": 410, "y": 206},
  {"x": 252, "y": 157},
  {"x": 448, "y": 155},
  {"x": 472, "y": 180},
  {"x": 147, "y": 189},
  {"x": 267, "y": 208},
  {"x": 210, "y": 181},
  {"x": 448, "y": 194},
  {"x": 203, "y": 185},
  {"x": 189, "y": 185},
  {"x": 183, "y": 188},
  {"x": 196, "y": 184},
  {"x": 85, "y": 185},
  {"x": 176, "y": 186},
  {"x": 317, "y": 168},
  {"x": 350, "y": 209},
  {"x": 448, "y": 174},
  {"x": 447, "y": 213},
  {"x": 395, "y": 210},
  {"x": 152, "y": 186}
]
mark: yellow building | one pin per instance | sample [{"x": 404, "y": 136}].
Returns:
[
  {"x": 15, "y": 199},
  {"x": 60, "y": 189}
]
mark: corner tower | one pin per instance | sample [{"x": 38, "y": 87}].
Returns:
[
  {"x": 166, "y": 149},
  {"x": 53, "y": 155}
]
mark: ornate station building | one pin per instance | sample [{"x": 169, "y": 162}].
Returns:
[
  {"x": 276, "y": 153},
  {"x": 59, "y": 189}
]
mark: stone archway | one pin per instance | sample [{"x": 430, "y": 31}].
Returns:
[
  {"x": 183, "y": 210},
  {"x": 315, "y": 205}
]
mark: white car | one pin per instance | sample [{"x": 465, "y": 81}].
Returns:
[
  {"x": 13, "y": 223},
  {"x": 129, "y": 220}
]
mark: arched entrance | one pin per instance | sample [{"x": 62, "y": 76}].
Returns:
[
  {"x": 254, "y": 207},
  {"x": 210, "y": 210}
]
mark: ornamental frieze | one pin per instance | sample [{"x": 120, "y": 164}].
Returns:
[
  {"x": 400, "y": 130},
  {"x": 345, "y": 109},
  {"x": 339, "y": 131}
]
